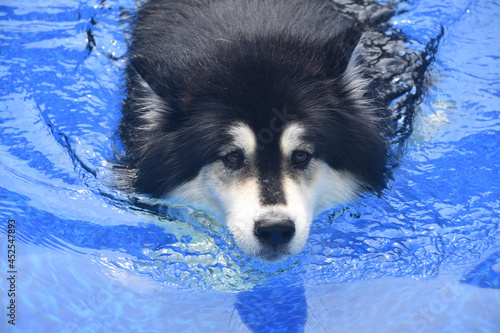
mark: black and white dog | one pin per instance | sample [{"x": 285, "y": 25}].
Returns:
[{"x": 257, "y": 110}]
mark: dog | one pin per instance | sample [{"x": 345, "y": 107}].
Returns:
[{"x": 259, "y": 111}]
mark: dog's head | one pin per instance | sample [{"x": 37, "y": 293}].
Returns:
[{"x": 265, "y": 132}]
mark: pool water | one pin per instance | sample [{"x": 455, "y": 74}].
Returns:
[{"x": 423, "y": 258}]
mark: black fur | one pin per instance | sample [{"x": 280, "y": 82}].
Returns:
[{"x": 211, "y": 63}]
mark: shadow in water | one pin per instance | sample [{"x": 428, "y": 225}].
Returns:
[{"x": 274, "y": 308}]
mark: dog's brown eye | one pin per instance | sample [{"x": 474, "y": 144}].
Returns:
[
  {"x": 234, "y": 158},
  {"x": 300, "y": 157}
]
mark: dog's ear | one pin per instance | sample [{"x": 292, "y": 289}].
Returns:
[
  {"x": 154, "y": 73},
  {"x": 340, "y": 47}
]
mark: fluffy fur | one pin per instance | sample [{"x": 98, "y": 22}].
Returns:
[{"x": 256, "y": 110}]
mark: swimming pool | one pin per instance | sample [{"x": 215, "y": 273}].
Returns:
[{"x": 424, "y": 258}]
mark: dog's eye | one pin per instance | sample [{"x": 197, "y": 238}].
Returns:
[
  {"x": 300, "y": 158},
  {"x": 234, "y": 158}
]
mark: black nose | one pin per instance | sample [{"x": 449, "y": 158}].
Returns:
[{"x": 274, "y": 232}]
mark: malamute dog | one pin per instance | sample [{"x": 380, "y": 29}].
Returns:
[{"x": 257, "y": 110}]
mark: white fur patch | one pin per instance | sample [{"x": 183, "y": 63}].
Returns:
[
  {"x": 291, "y": 139},
  {"x": 200, "y": 191},
  {"x": 306, "y": 198},
  {"x": 329, "y": 187},
  {"x": 243, "y": 138},
  {"x": 152, "y": 109},
  {"x": 356, "y": 84}
]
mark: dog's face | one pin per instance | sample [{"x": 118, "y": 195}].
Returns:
[
  {"x": 266, "y": 132},
  {"x": 268, "y": 201}
]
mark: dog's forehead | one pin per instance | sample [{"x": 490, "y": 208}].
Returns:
[
  {"x": 243, "y": 137},
  {"x": 290, "y": 138}
]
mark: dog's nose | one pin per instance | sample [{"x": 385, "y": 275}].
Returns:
[{"x": 274, "y": 232}]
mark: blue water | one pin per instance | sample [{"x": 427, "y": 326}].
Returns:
[{"x": 424, "y": 258}]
